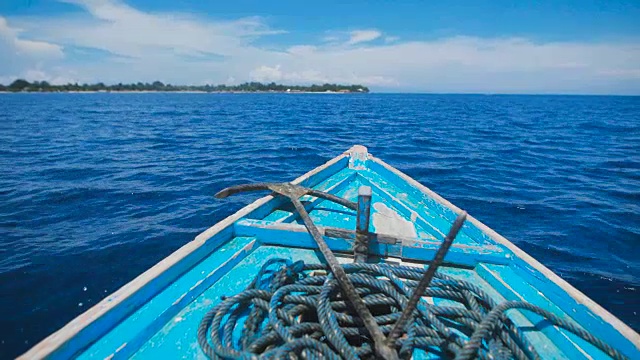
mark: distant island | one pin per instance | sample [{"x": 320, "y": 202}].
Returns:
[{"x": 21, "y": 85}]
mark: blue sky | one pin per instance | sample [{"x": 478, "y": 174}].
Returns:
[{"x": 416, "y": 46}]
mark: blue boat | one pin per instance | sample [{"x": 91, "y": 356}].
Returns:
[{"x": 352, "y": 260}]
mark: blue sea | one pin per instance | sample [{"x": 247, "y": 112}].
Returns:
[{"x": 96, "y": 188}]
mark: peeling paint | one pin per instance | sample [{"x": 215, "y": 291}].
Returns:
[{"x": 388, "y": 221}]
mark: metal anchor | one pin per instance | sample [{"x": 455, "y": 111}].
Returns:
[
  {"x": 294, "y": 192},
  {"x": 384, "y": 345}
]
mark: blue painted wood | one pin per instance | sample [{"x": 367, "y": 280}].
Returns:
[
  {"x": 514, "y": 288},
  {"x": 419, "y": 250},
  {"x": 327, "y": 212},
  {"x": 160, "y": 319},
  {"x": 424, "y": 202},
  {"x": 361, "y": 245},
  {"x": 311, "y": 181},
  {"x": 333, "y": 185},
  {"x": 433, "y": 222},
  {"x": 126, "y": 338},
  {"x": 177, "y": 338},
  {"x": 578, "y": 311},
  {"x": 102, "y": 325},
  {"x": 268, "y": 233}
]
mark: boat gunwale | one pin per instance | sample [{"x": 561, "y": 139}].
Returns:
[
  {"x": 50, "y": 344},
  {"x": 624, "y": 329}
]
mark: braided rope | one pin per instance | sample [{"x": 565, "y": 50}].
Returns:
[{"x": 288, "y": 312}]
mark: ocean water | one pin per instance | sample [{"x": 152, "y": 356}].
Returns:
[{"x": 96, "y": 188}]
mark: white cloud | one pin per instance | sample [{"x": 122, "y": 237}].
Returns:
[
  {"x": 390, "y": 39},
  {"x": 181, "y": 48},
  {"x": 14, "y": 45},
  {"x": 331, "y": 38},
  {"x": 122, "y": 30},
  {"x": 361, "y": 36},
  {"x": 265, "y": 73},
  {"x": 23, "y": 57},
  {"x": 623, "y": 74}
]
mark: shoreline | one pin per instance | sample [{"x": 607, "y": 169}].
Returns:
[{"x": 180, "y": 91}]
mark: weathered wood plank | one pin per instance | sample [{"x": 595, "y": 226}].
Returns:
[
  {"x": 129, "y": 335},
  {"x": 178, "y": 340},
  {"x": 422, "y": 250},
  {"x": 434, "y": 212},
  {"x": 514, "y": 288},
  {"x": 361, "y": 245}
]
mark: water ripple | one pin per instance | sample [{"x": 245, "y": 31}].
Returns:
[{"x": 96, "y": 188}]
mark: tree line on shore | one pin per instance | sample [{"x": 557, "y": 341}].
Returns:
[{"x": 21, "y": 85}]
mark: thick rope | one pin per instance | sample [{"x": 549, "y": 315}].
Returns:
[{"x": 297, "y": 310}]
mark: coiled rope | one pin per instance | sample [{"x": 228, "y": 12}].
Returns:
[{"x": 293, "y": 309}]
